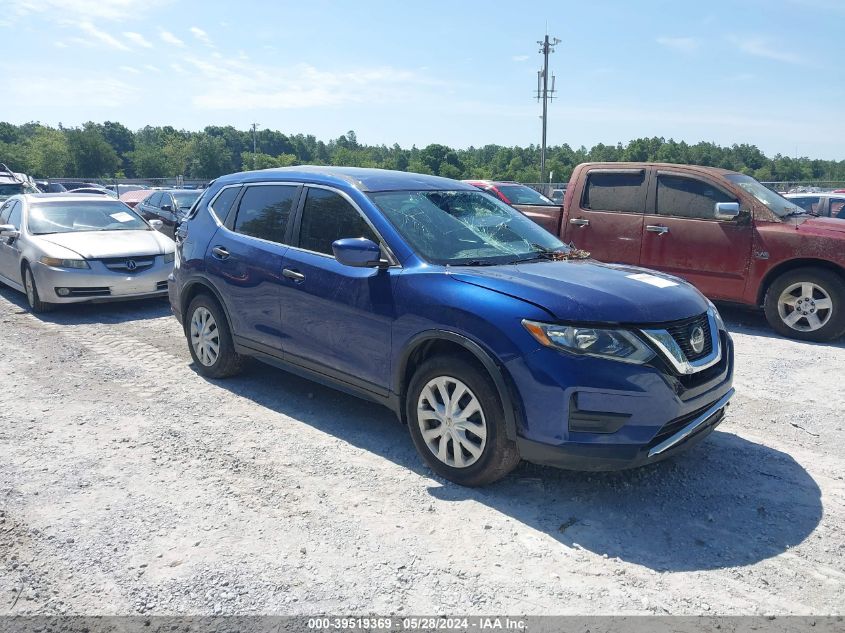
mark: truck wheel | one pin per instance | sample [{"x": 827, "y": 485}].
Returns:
[
  {"x": 457, "y": 423},
  {"x": 210, "y": 340},
  {"x": 807, "y": 304}
]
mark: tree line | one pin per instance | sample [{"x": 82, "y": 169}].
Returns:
[{"x": 111, "y": 150}]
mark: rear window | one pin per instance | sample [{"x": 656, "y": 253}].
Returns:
[
  {"x": 520, "y": 194},
  {"x": 615, "y": 191},
  {"x": 222, "y": 204}
]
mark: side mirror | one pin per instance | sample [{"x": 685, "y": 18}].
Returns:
[
  {"x": 167, "y": 207},
  {"x": 9, "y": 230},
  {"x": 726, "y": 211},
  {"x": 358, "y": 252},
  {"x": 156, "y": 224}
]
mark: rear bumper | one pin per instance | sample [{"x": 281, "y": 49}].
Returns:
[{"x": 602, "y": 457}]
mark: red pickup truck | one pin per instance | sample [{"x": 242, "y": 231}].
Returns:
[{"x": 734, "y": 239}]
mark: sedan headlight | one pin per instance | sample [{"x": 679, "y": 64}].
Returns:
[
  {"x": 57, "y": 262},
  {"x": 620, "y": 345},
  {"x": 169, "y": 257}
]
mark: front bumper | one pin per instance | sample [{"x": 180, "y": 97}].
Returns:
[
  {"x": 585, "y": 413},
  {"x": 98, "y": 283}
]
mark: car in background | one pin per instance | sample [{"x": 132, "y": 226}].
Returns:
[
  {"x": 557, "y": 195},
  {"x": 50, "y": 187},
  {"x": 132, "y": 198},
  {"x": 70, "y": 248},
  {"x": 827, "y": 205},
  {"x": 14, "y": 183},
  {"x": 489, "y": 336},
  {"x": 71, "y": 185},
  {"x": 98, "y": 191},
  {"x": 512, "y": 193},
  {"x": 168, "y": 206}
]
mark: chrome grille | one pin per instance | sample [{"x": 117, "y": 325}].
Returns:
[
  {"x": 130, "y": 264},
  {"x": 681, "y": 332}
]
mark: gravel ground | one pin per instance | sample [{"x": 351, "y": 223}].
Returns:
[{"x": 129, "y": 484}]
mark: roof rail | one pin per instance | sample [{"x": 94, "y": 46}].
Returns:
[{"x": 10, "y": 172}]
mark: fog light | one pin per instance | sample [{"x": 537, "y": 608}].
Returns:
[{"x": 63, "y": 292}]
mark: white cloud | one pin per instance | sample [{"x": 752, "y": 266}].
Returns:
[
  {"x": 137, "y": 39},
  {"x": 201, "y": 35},
  {"x": 102, "y": 36},
  {"x": 680, "y": 44},
  {"x": 177, "y": 68},
  {"x": 92, "y": 93},
  {"x": 130, "y": 70},
  {"x": 151, "y": 68},
  {"x": 80, "y": 9},
  {"x": 760, "y": 47},
  {"x": 520, "y": 58},
  {"x": 169, "y": 38}
]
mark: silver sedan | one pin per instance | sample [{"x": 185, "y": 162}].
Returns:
[{"x": 68, "y": 248}]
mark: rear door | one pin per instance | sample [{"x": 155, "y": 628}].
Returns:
[
  {"x": 681, "y": 235},
  {"x": 245, "y": 257},
  {"x": 606, "y": 217},
  {"x": 336, "y": 319}
]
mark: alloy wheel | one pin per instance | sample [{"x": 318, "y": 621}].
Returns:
[
  {"x": 205, "y": 337},
  {"x": 451, "y": 422},
  {"x": 29, "y": 284},
  {"x": 805, "y": 306}
]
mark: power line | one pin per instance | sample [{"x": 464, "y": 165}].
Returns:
[{"x": 546, "y": 94}]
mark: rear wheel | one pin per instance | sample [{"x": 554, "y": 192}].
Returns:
[
  {"x": 457, "y": 423},
  {"x": 807, "y": 304},
  {"x": 210, "y": 339},
  {"x": 32, "y": 297}
]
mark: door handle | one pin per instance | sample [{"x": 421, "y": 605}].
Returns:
[
  {"x": 656, "y": 228},
  {"x": 220, "y": 253},
  {"x": 579, "y": 222},
  {"x": 297, "y": 276}
]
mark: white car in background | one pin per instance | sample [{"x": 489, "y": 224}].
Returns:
[
  {"x": 825, "y": 204},
  {"x": 70, "y": 248}
]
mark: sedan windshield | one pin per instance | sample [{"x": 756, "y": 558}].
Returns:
[
  {"x": 781, "y": 207},
  {"x": 520, "y": 194},
  {"x": 465, "y": 227},
  {"x": 67, "y": 216}
]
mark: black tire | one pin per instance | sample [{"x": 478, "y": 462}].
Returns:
[
  {"x": 827, "y": 283},
  {"x": 498, "y": 456},
  {"x": 227, "y": 362},
  {"x": 32, "y": 298}
]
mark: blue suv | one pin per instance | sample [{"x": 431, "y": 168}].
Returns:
[{"x": 488, "y": 336}]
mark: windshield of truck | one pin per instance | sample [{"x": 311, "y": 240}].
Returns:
[
  {"x": 781, "y": 207},
  {"x": 520, "y": 194},
  {"x": 466, "y": 227}
]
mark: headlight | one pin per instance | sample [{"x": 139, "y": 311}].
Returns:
[
  {"x": 618, "y": 345},
  {"x": 64, "y": 263},
  {"x": 169, "y": 257}
]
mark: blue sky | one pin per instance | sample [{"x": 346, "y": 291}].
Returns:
[{"x": 766, "y": 72}]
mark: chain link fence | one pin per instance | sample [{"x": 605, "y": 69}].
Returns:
[{"x": 122, "y": 185}]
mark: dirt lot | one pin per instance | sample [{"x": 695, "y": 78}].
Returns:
[{"x": 129, "y": 484}]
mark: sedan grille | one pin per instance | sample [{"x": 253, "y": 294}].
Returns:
[
  {"x": 129, "y": 264},
  {"x": 684, "y": 331}
]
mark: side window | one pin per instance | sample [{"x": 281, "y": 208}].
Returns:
[
  {"x": 15, "y": 215},
  {"x": 837, "y": 208},
  {"x": 688, "y": 197},
  {"x": 154, "y": 200},
  {"x": 808, "y": 203},
  {"x": 264, "y": 211},
  {"x": 166, "y": 199},
  {"x": 222, "y": 204},
  {"x": 614, "y": 191},
  {"x": 4, "y": 212},
  {"x": 327, "y": 217}
]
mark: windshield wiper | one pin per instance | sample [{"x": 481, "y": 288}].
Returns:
[{"x": 799, "y": 211}]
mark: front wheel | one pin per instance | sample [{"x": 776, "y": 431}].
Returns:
[
  {"x": 32, "y": 297},
  {"x": 457, "y": 422},
  {"x": 807, "y": 304}
]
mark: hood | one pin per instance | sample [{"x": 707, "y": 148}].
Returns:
[
  {"x": 822, "y": 225},
  {"x": 102, "y": 244},
  {"x": 590, "y": 291}
]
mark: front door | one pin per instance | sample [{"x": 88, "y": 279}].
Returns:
[
  {"x": 681, "y": 236},
  {"x": 336, "y": 319},
  {"x": 10, "y": 252},
  {"x": 244, "y": 260},
  {"x": 606, "y": 215}
]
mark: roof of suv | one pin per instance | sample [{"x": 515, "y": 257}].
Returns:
[{"x": 361, "y": 178}]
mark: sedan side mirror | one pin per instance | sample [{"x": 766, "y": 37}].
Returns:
[
  {"x": 156, "y": 224},
  {"x": 726, "y": 210},
  {"x": 167, "y": 207},
  {"x": 358, "y": 252},
  {"x": 9, "y": 230}
]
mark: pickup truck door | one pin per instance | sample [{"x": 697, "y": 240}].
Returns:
[
  {"x": 605, "y": 216},
  {"x": 682, "y": 237}
]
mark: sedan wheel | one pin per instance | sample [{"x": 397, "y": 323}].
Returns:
[
  {"x": 805, "y": 306},
  {"x": 451, "y": 422},
  {"x": 205, "y": 336}
]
